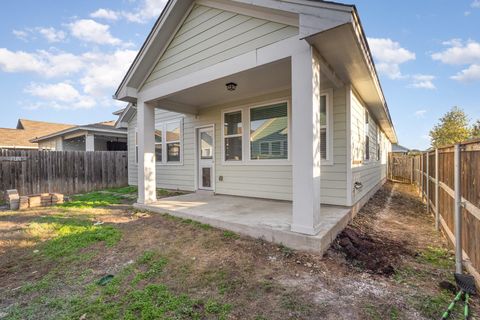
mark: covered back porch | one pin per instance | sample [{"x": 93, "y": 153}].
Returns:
[{"x": 270, "y": 220}]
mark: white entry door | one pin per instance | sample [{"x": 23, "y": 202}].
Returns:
[{"x": 206, "y": 158}]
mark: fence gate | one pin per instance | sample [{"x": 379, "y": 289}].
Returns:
[{"x": 400, "y": 167}]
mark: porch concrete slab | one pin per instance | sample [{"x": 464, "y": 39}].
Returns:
[{"x": 259, "y": 218}]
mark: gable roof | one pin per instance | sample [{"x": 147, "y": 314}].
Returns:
[
  {"x": 317, "y": 20},
  {"x": 27, "y": 130},
  {"x": 171, "y": 16},
  {"x": 106, "y": 127}
]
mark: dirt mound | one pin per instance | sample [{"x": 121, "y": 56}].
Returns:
[{"x": 367, "y": 253}]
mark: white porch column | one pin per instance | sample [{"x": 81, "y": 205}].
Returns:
[
  {"x": 89, "y": 142},
  {"x": 146, "y": 153},
  {"x": 306, "y": 142}
]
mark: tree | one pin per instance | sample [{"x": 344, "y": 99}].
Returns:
[
  {"x": 453, "y": 128},
  {"x": 476, "y": 130}
]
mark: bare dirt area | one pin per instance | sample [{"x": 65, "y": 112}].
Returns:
[{"x": 388, "y": 264}]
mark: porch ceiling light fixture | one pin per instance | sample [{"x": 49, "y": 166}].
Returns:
[{"x": 231, "y": 86}]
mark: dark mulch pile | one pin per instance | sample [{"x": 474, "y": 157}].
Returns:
[{"x": 377, "y": 256}]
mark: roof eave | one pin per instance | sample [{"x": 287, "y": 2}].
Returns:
[
  {"x": 354, "y": 64},
  {"x": 80, "y": 128}
]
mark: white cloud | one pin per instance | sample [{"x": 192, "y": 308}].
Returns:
[
  {"x": 59, "y": 96},
  {"x": 61, "y": 91},
  {"x": 105, "y": 14},
  {"x": 389, "y": 55},
  {"x": 91, "y": 31},
  {"x": 467, "y": 13},
  {"x": 51, "y": 34},
  {"x": 21, "y": 34},
  {"x": 420, "y": 113},
  {"x": 45, "y": 63},
  {"x": 105, "y": 71},
  {"x": 462, "y": 53},
  {"x": 475, "y": 4},
  {"x": 472, "y": 73},
  {"x": 459, "y": 53},
  {"x": 147, "y": 10},
  {"x": 423, "y": 81}
]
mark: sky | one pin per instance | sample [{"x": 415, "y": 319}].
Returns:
[{"x": 61, "y": 61}]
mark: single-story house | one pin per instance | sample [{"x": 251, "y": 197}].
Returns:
[
  {"x": 26, "y": 130},
  {"x": 399, "y": 149},
  {"x": 102, "y": 136},
  {"x": 276, "y": 100}
]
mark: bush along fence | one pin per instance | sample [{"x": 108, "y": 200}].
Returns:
[
  {"x": 67, "y": 172},
  {"x": 448, "y": 180}
]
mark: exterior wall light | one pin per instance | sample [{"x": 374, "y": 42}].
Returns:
[{"x": 231, "y": 86}]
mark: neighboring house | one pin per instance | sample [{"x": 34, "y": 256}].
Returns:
[
  {"x": 101, "y": 136},
  {"x": 266, "y": 99},
  {"x": 26, "y": 130},
  {"x": 396, "y": 148}
]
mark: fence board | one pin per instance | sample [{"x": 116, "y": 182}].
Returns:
[
  {"x": 470, "y": 190},
  {"x": 68, "y": 172}
]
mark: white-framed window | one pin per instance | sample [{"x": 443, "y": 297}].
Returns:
[
  {"x": 326, "y": 126},
  {"x": 158, "y": 144},
  {"x": 232, "y": 136},
  {"x": 269, "y": 132},
  {"x": 367, "y": 136},
  {"x": 168, "y": 142}
]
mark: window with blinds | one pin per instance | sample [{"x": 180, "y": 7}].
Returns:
[
  {"x": 324, "y": 127},
  {"x": 158, "y": 144},
  {"x": 269, "y": 132},
  {"x": 367, "y": 135}
]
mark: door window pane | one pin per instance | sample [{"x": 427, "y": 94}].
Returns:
[
  {"x": 269, "y": 125},
  {"x": 206, "y": 145},
  {"x": 206, "y": 177}
]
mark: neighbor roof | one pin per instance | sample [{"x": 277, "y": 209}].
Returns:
[
  {"x": 399, "y": 148},
  {"x": 100, "y": 127},
  {"x": 27, "y": 130}
]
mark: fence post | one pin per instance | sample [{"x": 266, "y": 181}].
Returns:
[
  {"x": 412, "y": 163},
  {"x": 458, "y": 210},
  {"x": 428, "y": 181},
  {"x": 421, "y": 176},
  {"x": 437, "y": 180}
]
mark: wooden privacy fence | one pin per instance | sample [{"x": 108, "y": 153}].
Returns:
[
  {"x": 66, "y": 172},
  {"x": 449, "y": 196}
]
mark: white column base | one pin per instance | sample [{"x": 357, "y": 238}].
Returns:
[{"x": 311, "y": 231}]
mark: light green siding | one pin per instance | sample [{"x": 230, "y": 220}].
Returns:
[
  {"x": 264, "y": 181},
  {"x": 368, "y": 172},
  {"x": 334, "y": 177},
  {"x": 209, "y": 36}
]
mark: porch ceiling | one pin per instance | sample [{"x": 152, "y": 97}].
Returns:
[{"x": 262, "y": 80}]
